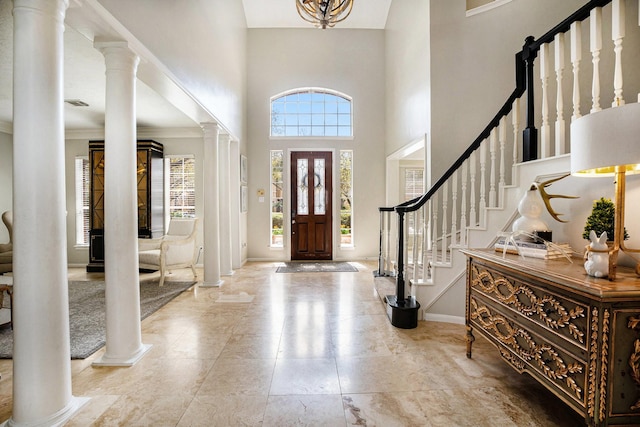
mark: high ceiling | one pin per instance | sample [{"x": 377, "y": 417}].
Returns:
[
  {"x": 84, "y": 66},
  {"x": 369, "y": 14}
]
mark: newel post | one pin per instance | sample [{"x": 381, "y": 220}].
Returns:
[{"x": 530, "y": 133}]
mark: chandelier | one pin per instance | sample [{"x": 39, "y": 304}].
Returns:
[{"x": 324, "y": 13}]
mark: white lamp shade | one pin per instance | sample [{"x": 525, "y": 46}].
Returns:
[{"x": 606, "y": 139}]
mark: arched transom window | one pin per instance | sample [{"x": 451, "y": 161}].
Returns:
[{"x": 311, "y": 112}]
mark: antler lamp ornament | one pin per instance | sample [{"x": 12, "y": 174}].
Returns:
[
  {"x": 324, "y": 13},
  {"x": 607, "y": 143},
  {"x": 530, "y": 207}
]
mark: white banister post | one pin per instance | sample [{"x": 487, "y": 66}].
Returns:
[
  {"x": 515, "y": 124},
  {"x": 463, "y": 204},
  {"x": 559, "y": 68},
  {"x": 545, "y": 130},
  {"x": 122, "y": 285},
  {"x": 445, "y": 205},
  {"x": 595, "y": 45},
  {"x": 502, "y": 139},
  {"x": 492, "y": 168},
  {"x": 617, "y": 34},
  {"x": 41, "y": 352},
  {"x": 434, "y": 227},
  {"x": 473, "y": 219},
  {"x": 482, "y": 207},
  {"x": 211, "y": 206},
  {"x": 576, "y": 57},
  {"x": 454, "y": 208}
]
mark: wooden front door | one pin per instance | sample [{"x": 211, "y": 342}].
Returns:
[{"x": 311, "y": 205}]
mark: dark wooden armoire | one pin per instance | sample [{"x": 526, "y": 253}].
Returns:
[{"x": 150, "y": 176}]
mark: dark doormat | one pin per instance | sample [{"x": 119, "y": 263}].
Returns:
[{"x": 316, "y": 267}]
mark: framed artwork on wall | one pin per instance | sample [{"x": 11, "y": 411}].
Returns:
[
  {"x": 244, "y": 198},
  {"x": 243, "y": 169}
]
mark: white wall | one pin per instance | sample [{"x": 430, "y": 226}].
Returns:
[
  {"x": 6, "y": 180},
  {"x": 212, "y": 69},
  {"x": 349, "y": 61},
  {"x": 408, "y": 73}
]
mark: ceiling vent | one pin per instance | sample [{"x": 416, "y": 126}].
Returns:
[{"x": 76, "y": 102}]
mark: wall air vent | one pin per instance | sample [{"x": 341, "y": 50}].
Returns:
[{"x": 76, "y": 102}]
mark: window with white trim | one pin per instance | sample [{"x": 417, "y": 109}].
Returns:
[
  {"x": 180, "y": 179},
  {"x": 82, "y": 200},
  {"x": 311, "y": 112},
  {"x": 277, "y": 198},
  {"x": 346, "y": 198}
]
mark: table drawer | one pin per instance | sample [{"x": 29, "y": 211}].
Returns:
[
  {"x": 526, "y": 350},
  {"x": 568, "y": 318}
]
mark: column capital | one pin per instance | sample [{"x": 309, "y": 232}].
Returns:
[
  {"x": 210, "y": 129},
  {"x": 56, "y": 8},
  {"x": 117, "y": 53},
  {"x": 224, "y": 137}
]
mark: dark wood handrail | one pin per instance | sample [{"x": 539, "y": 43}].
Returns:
[
  {"x": 524, "y": 66},
  {"x": 529, "y": 50}
]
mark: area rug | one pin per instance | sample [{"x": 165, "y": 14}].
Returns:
[
  {"x": 87, "y": 325},
  {"x": 316, "y": 267}
]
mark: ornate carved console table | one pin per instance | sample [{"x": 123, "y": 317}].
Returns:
[{"x": 577, "y": 335}]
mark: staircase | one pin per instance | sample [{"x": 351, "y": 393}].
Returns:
[{"x": 477, "y": 197}]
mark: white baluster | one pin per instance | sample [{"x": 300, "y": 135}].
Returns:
[
  {"x": 595, "y": 45},
  {"x": 463, "y": 205},
  {"x": 445, "y": 202},
  {"x": 576, "y": 57},
  {"x": 473, "y": 220},
  {"x": 502, "y": 138},
  {"x": 423, "y": 255},
  {"x": 515, "y": 123},
  {"x": 492, "y": 168},
  {"x": 559, "y": 63},
  {"x": 545, "y": 130},
  {"x": 416, "y": 244},
  {"x": 389, "y": 260},
  {"x": 617, "y": 34},
  {"x": 434, "y": 228},
  {"x": 454, "y": 208},
  {"x": 483, "y": 183}
]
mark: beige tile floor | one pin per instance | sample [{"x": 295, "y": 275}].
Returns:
[{"x": 311, "y": 349}]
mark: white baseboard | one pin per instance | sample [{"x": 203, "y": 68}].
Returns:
[{"x": 444, "y": 318}]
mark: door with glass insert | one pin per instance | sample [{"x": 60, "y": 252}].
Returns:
[{"x": 311, "y": 205}]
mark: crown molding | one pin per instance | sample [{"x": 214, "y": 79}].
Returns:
[{"x": 141, "y": 133}]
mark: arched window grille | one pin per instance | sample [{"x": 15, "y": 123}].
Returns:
[{"x": 311, "y": 112}]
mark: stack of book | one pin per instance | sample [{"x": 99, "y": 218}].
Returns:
[{"x": 534, "y": 249}]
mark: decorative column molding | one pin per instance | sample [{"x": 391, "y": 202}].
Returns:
[
  {"x": 226, "y": 267},
  {"x": 211, "y": 206},
  {"x": 41, "y": 353},
  {"x": 122, "y": 285}
]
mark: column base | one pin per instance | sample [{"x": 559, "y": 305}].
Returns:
[
  {"x": 211, "y": 284},
  {"x": 58, "y": 419},
  {"x": 403, "y": 314},
  {"x": 230, "y": 273},
  {"x": 114, "y": 361}
]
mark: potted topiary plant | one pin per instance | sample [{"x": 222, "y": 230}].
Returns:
[{"x": 602, "y": 218}]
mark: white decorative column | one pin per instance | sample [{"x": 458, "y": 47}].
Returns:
[
  {"x": 226, "y": 267},
  {"x": 236, "y": 237},
  {"x": 124, "y": 345},
  {"x": 41, "y": 353},
  {"x": 211, "y": 206}
]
